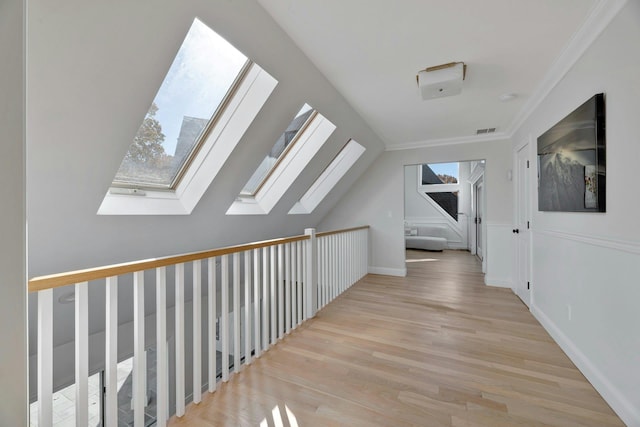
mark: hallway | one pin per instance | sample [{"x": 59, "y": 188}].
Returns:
[{"x": 437, "y": 348}]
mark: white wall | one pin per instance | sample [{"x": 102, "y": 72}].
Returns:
[
  {"x": 13, "y": 369},
  {"x": 94, "y": 69},
  {"x": 590, "y": 262},
  {"x": 377, "y": 197}
]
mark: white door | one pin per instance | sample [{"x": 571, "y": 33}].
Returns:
[
  {"x": 479, "y": 201},
  {"x": 522, "y": 230}
]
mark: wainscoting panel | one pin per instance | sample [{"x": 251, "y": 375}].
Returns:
[{"x": 586, "y": 293}]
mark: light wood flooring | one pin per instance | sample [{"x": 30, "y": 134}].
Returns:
[{"x": 437, "y": 348}]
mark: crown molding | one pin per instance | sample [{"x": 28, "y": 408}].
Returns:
[
  {"x": 498, "y": 136},
  {"x": 600, "y": 15}
]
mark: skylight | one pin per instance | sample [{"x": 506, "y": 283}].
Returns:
[
  {"x": 199, "y": 82},
  {"x": 279, "y": 150},
  {"x": 302, "y": 140},
  {"x": 338, "y": 167}
]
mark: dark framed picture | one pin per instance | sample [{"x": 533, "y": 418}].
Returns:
[{"x": 572, "y": 161}]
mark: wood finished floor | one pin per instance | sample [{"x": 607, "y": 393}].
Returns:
[{"x": 437, "y": 348}]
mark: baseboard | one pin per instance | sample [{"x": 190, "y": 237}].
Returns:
[
  {"x": 399, "y": 272},
  {"x": 498, "y": 282},
  {"x": 622, "y": 407}
]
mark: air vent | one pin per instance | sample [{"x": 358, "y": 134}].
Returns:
[{"x": 487, "y": 130}]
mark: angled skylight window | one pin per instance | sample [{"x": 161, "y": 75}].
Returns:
[
  {"x": 207, "y": 101},
  {"x": 279, "y": 150},
  {"x": 199, "y": 82},
  {"x": 333, "y": 173},
  {"x": 291, "y": 154}
]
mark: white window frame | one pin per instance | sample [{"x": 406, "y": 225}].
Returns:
[
  {"x": 334, "y": 172},
  {"x": 313, "y": 137},
  {"x": 233, "y": 122}
]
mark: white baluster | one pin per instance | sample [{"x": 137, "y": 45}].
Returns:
[
  {"x": 236, "y": 312},
  {"x": 82, "y": 353},
  {"x": 299, "y": 259},
  {"x": 327, "y": 266},
  {"x": 334, "y": 266},
  {"x": 265, "y": 299},
  {"x": 139, "y": 372},
  {"x": 162, "y": 382},
  {"x": 274, "y": 311},
  {"x": 352, "y": 258},
  {"x": 213, "y": 354},
  {"x": 293, "y": 285},
  {"x": 280, "y": 291},
  {"x": 287, "y": 288},
  {"x": 197, "y": 331},
  {"x": 224, "y": 317},
  {"x": 344, "y": 260},
  {"x": 111, "y": 352},
  {"x": 45, "y": 357},
  {"x": 327, "y": 262},
  {"x": 180, "y": 394},
  {"x": 256, "y": 302},
  {"x": 321, "y": 271},
  {"x": 247, "y": 307},
  {"x": 311, "y": 285}
]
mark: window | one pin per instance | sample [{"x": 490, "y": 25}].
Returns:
[
  {"x": 209, "y": 98},
  {"x": 440, "y": 182},
  {"x": 338, "y": 167},
  {"x": 279, "y": 150},
  {"x": 291, "y": 154},
  {"x": 440, "y": 173},
  {"x": 202, "y": 76},
  {"x": 448, "y": 201}
]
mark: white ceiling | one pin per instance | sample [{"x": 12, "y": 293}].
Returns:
[{"x": 371, "y": 51}]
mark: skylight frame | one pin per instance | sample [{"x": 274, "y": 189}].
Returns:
[
  {"x": 283, "y": 155},
  {"x": 330, "y": 176},
  {"x": 242, "y": 75},
  {"x": 313, "y": 138},
  {"x": 199, "y": 140},
  {"x": 243, "y": 109}
]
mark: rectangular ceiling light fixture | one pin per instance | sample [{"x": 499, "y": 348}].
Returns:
[{"x": 441, "y": 80}]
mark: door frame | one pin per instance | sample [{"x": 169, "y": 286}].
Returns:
[
  {"x": 475, "y": 179},
  {"x": 522, "y": 286}
]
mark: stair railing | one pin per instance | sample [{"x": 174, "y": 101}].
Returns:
[{"x": 265, "y": 290}]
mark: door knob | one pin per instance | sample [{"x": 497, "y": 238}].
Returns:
[{"x": 516, "y": 231}]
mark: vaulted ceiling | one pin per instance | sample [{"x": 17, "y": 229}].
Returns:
[{"x": 372, "y": 51}]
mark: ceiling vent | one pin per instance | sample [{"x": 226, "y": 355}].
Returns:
[
  {"x": 487, "y": 130},
  {"x": 441, "y": 80}
]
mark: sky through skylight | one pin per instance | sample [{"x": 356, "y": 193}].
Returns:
[{"x": 200, "y": 76}]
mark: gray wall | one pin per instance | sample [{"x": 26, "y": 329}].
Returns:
[
  {"x": 590, "y": 262},
  {"x": 13, "y": 369},
  {"x": 94, "y": 69}
]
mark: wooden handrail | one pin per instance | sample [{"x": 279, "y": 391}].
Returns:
[
  {"x": 344, "y": 230},
  {"x": 63, "y": 279},
  {"x": 52, "y": 281}
]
